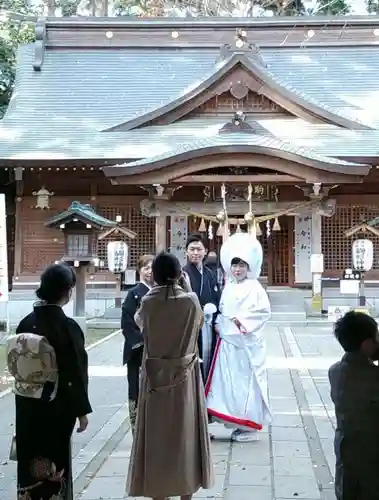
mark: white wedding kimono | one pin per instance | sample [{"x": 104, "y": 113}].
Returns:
[{"x": 236, "y": 391}]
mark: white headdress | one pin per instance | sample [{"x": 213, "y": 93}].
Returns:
[{"x": 245, "y": 247}]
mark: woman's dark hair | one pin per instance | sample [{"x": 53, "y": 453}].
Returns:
[
  {"x": 56, "y": 283},
  {"x": 166, "y": 269}
]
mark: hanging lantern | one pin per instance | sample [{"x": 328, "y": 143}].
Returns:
[
  {"x": 268, "y": 228},
  {"x": 363, "y": 255},
  {"x": 210, "y": 231},
  {"x": 43, "y": 198},
  {"x": 258, "y": 231},
  {"x": 202, "y": 227},
  {"x": 238, "y": 230},
  {"x": 276, "y": 226},
  {"x": 117, "y": 252}
]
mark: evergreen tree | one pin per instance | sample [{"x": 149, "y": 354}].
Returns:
[{"x": 16, "y": 27}]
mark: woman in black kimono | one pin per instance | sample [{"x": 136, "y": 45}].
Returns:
[
  {"x": 133, "y": 345},
  {"x": 44, "y": 427}
]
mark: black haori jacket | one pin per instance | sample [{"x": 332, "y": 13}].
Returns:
[
  {"x": 131, "y": 332},
  {"x": 204, "y": 285}
]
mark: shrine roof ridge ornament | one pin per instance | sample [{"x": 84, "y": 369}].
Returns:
[
  {"x": 242, "y": 45},
  {"x": 238, "y": 143},
  {"x": 283, "y": 94},
  {"x": 85, "y": 213}
]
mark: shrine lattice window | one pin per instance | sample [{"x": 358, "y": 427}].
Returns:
[
  {"x": 144, "y": 243},
  {"x": 78, "y": 245},
  {"x": 335, "y": 246}
]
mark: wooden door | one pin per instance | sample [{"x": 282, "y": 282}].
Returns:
[{"x": 280, "y": 254}]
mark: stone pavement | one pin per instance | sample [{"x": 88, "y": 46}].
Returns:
[
  {"x": 108, "y": 424},
  {"x": 294, "y": 458}
]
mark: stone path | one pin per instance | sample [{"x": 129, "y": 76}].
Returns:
[{"x": 294, "y": 458}]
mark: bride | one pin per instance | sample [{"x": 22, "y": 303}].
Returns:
[{"x": 237, "y": 385}]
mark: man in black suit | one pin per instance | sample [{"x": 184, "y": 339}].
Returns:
[
  {"x": 133, "y": 345},
  {"x": 204, "y": 284}
]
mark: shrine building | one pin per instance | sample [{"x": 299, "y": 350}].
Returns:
[{"x": 162, "y": 123}]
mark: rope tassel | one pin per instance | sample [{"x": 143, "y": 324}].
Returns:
[{"x": 202, "y": 227}]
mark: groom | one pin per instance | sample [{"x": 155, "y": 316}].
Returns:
[{"x": 204, "y": 284}]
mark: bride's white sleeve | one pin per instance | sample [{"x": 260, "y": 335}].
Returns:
[{"x": 256, "y": 316}]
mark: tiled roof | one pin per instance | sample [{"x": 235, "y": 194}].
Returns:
[
  {"x": 58, "y": 113},
  {"x": 86, "y": 212},
  {"x": 241, "y": 139},
  {"x": 19, "y": 142},
  {"x": 96, "y": 89},
  {"x": 221, "y": 68}
]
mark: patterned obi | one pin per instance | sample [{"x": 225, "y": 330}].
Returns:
[{"x": 32, "y": 363}]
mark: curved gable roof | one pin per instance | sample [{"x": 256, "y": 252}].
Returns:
[
  {"x": 239, "y": 143},
  {"x": 284, "y": 95}
]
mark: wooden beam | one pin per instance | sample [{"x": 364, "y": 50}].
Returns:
[
  {"x": 242, "y": 179},
  {"x": 18, "y": 241},
  {"x": 155, "y": 208}
]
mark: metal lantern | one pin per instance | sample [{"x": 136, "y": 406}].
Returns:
[
  {"x": 363, "y": 255},
  {"x": 117, "y": 256},
  {"x": 43, "y": 198}
]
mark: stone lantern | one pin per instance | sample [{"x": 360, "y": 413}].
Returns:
[{"x": 81, "y": 226}]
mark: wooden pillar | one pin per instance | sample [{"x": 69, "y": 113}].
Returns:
[
  {"x": 18, "y": 223},
  {"x": 80, "y": 291},
  {"x": 160, "y": 233},
  {"x": 317, "y": 261},
  {"x": 316, "y": 232}
]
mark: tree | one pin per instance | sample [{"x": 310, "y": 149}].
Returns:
[
  {"x": 332, "y": 7},
  {"x": 67, "y": 8},
  {"x": 372, "y": 6},
  {"x": 16, "y": 27},
  {"x": 237, "y": 8}
]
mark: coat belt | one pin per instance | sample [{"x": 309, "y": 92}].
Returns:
[{"x": 166, "y": 373}]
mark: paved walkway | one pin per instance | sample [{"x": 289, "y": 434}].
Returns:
[
  {"x": 108, "y": 424},
  {"x": 294, "y": 458}
]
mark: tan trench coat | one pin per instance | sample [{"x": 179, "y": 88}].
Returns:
[{"x": 171, "y": 450}]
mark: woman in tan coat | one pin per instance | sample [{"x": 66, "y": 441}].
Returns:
[{"x": 171, "y": 449}]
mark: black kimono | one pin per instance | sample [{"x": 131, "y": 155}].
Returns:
[
  {"x": 133, "y": 345},
  {"x": 208, "y": 291},
  {"x": 44, "y": 428}
]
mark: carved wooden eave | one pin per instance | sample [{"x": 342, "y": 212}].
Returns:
[
  {"x": 237, "y": 125},
  {"x": 117, "y": 231},
  {"x": 237, "y": 73},
  {"x": 155, "y": 208},
  {"x": 228, "y": 151},
  {"x": 364, "y": 227}
]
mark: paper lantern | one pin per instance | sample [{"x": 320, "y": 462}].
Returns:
[{"x": 118, "y": 253}]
